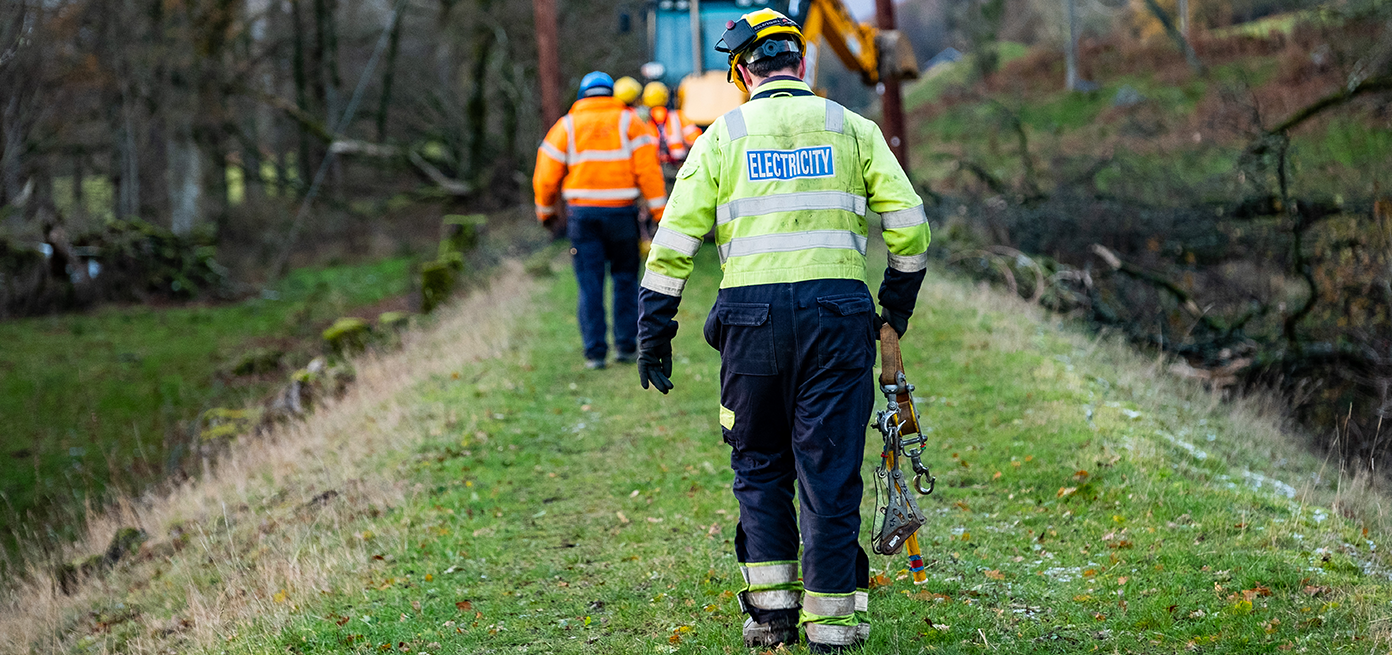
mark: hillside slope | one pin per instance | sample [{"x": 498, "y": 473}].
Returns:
[{"x": 481, "y": 492}]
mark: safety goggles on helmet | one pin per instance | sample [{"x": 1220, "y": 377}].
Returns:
[{"x": 750, "y": 39}]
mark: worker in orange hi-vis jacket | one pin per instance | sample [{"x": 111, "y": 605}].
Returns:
[
  {"x": 675, "y": 133},
  {"x": 601, "y": 158}
]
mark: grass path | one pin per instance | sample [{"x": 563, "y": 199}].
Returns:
[
  {"x": 516, "y": 502},
  {"x": 561, "y": 510}
]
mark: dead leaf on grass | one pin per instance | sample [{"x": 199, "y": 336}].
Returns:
[
  {"x": 931, "y": 596},
  {"x": 995, "y": 574}
]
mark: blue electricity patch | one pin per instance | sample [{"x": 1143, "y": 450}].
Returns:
[{"x": 789, "y": 164}]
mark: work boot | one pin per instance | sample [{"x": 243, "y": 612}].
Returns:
[
  {"x": 594, "y": 364},
  {"x": 769, "y": 635}
]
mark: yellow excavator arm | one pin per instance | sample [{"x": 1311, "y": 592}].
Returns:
[
  {"x": 853, "y": 42},
  {"x": 874, "y": 53}
]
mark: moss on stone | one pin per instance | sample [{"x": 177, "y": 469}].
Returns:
[
  {"x": 437, "y": 284},
  {"x": 460, "y": 232},
  {"x": 347, "y": 335}
]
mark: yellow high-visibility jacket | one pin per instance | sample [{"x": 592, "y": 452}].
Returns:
[
  {"x": 786, "y": 181},
  {"x": 600, "y": 154}
]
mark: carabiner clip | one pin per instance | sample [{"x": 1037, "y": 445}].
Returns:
[{"x": 918, "y": 484}]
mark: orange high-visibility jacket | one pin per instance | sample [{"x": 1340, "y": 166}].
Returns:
[
  {"x": 600, "y": 154},
  {"x": 676, "y": 132}
]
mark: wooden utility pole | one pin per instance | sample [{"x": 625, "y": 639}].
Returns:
[
  {"x": 697, "y": 55},
  {"x": 548, "y": 62},
  {"x": 1072, "y": 54},
  {"x": 891, "y": 102}
]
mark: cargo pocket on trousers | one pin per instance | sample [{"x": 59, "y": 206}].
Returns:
[
  {"x": 746, "y": 338},
  {"x": 845, "y": 333}
]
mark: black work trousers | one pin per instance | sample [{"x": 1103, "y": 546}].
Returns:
[{"x": 796, "y": 393}]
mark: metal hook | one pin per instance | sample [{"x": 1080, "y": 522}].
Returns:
[{"x": 918, "y": 484}]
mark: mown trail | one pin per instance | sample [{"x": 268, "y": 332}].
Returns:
[
  {"x": 480, "y": 492},
  {"x": 558, "y": 510}
]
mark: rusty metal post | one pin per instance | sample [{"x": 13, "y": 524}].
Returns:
[
  {"x": 891, "y": 101},
  {"x": 548, "y": 62}
]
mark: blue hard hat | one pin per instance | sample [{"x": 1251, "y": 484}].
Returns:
[{"x": 597, "y": 83}]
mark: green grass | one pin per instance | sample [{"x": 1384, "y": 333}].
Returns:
[
  {"x": 1263, "y": 27},
  {"x": 87, "y": 398},
  {"x": 955, "y": 74},
  {"x": 559, "y": 510}
]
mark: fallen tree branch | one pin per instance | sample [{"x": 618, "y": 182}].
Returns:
[
  {"x": 984, "y": 175},
  {"x": 1342, "y": 96},
  {"x": 304, "y": 118}
]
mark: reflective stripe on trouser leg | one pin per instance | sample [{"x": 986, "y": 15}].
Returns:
[
  {"x": 770, "y": 585},
  {"x": 862, "y": 614},
  {"x": 829, "y": 618}
]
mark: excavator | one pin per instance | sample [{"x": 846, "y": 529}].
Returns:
[{"x": 681, "y": 34}]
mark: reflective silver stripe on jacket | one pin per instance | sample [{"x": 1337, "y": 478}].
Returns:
[
  {"x": 663, "y": 283},
  {"x": 674, "y": 240},
  {"x": 768, "y": 574},
  {"x": 569, "y": 123},
  {"x": 545, "y": 210},
  {"x": 624, "y": 152},
  {"x": 629, "y": 193},
  {"x": 829, "y": 605},
  {"x": 774, "y": 599},
  {"x": 792, "y": 242},
  {"x": 660, "y": 201},
  {"x": 734, "y": 124},
  {"x": 903, "y": 218},
  {"x": 600, "y": 155},
  {"x": 625, "y": 117},
  {"x": 553, "y": 152},
  {"x": 787, "y": 202},
  {"x": 908, "y": 263},
  {"x": 835, "y": 117},
  {"x": 831, "y": 635},
  {"x": 862, "y": 601}
]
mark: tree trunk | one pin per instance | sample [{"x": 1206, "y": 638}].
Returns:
[
  {"x": 11, "y": 177},
  {"x": 127, "y": 160},
  {"x": 1072, "y": 52},
  {"x": 185, "y": 182},
  {"x": 79, "y": 178},
  {"x": 305, "y": 170},
  {"x": 388, "y": 76},
  {"x": 477, "y": 109}
]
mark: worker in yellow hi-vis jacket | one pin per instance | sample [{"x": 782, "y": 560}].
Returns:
[{"x": 785, "y": 181}]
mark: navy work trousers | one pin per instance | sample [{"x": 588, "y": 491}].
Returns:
[
  {"x": 797, "y": 373},
  {"x": 600, "y": 236}
]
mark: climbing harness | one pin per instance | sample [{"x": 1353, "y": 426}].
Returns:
[{"x": 897, "y": 517}]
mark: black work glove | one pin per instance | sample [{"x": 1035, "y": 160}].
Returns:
[
  {"x": 896, "y": 321},
  {"x": 655, "y": 366}
]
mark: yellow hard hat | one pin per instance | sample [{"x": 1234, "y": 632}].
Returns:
[
  {"x": 655, "y": 94},
  {"x": 747, "y": 40},
  {"x": 627, "y": 89}
]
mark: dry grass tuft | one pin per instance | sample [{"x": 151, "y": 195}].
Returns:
[{"x": 270, "y": 525}]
